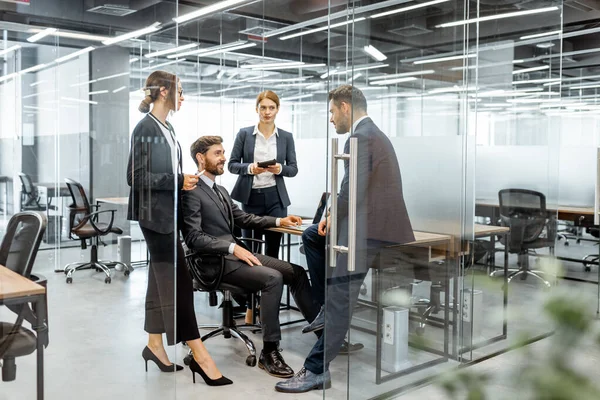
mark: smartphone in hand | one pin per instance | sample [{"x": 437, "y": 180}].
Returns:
[{"x": 265, "y": 164}]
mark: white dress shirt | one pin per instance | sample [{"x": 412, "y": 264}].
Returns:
[
  {"x": 170, "y": 139},
  {"x": 355, "y": 124},
  {"x": 264, "y": 150},
  {"x": 211, "y": 184}
]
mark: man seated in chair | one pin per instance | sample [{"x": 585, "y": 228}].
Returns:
[{"x": 209, "y": 217}]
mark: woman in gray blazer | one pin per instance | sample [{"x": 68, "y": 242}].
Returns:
[{"x": 261, "y": 191}]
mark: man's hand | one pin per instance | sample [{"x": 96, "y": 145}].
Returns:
[
  {"x": 290, "y": 220},
  {"x": 256, "y": 170},
  {"x": 245, "y": 256},
  {"x": 324, "y": 226},
  {"x": 274, "y": 169}
]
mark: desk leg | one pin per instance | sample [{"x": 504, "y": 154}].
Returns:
[
  {"x": 505, "y": 301},
  {"x": 40, "y": 312}
]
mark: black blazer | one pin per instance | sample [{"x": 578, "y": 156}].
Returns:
[
  {"x": 382, "y": 216},
  {"x": 242, "y": 156},
  {"x": 206, "y": 227},
  {"x": 150, "y": 175}
]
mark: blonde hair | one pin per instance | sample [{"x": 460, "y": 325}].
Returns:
[{"x": 154, "y": 82}]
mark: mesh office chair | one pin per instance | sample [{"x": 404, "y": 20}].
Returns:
[
  {"x": 591, "y": 259},
  {"x": 17, "y": 252},
  {"x": 83, "y": 223},
  {"x": 30, "y": 199},
  {"x": 524, "y": 212}
]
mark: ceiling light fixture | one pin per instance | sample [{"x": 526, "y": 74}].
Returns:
[
  {"x": 393, "y": 81},
  {"x": 323, "y": 28},
  {"x": 33, "y": 69},
  {"x": 131, "y": 35},
  {"x": 159, "y": 65},
  {"x": 444, "y": 59},
  {"x": 97, "y": 92},
  {"x": 497, "y": 16},
  {"x": 117, "y": 90},
  {"x": 302, "y": 96},
  {"x": 353, "y": 69},
  {"x": 232, "y": 88},
  {"x": 79, "y": 100},
  {"x": 374, "y": 53},
  {"x": 73, "y": 35},
  {"x": 169, "y": 51},
  {"x": 536, "y": 81},
  {"x": 40, "y": 35},
  {"x": 74, "y": 54},
  {"x": 545, "y": 45},
  {"x": 218, "y": 6},
  {"x": 537, "y": 35},
  {"x": 403, "y": 74},
  {"x": 223, "y": 48},
  {"x": 9, "y": 49},
  {"x": 583, "y": 87},
  {"x": 220, "y": 74},
  {"x": 134, "y": 59},
  {"x": 522, "y": 71},
  {"x": 409, "y": 8}
]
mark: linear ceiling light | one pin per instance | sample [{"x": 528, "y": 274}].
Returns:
[
  {"x": 584, "y": 87},
  {"x": 172, "y": 50},
  {"x": 98, "y": 92},
  {"x": 323, "y": 28},
  {"x": 222, "y": 48},
  {"x": 134, "y": 59},
  {"x": 74, "y": 54},
  {"x": 443, "y": 59},
  {"x": 131, "y": 35},
  {"x": 302, "y": 96},
  {"x": 218, "y": 6},
  {"x": 409, "y": 8},
  {"x": 73, "y": 35},
  {"x": 290, "y": 66},
  {"x": 40, "y": 35},
  {"x": 233, "y": 88},
  {"x": 9, "y": 49},
  {"x": 79, "y": 100},
  {"x": 393, "y": 81},
  {"x": 497, "y": 16},
  {"x": 111, "y": 76},
  {"x": 403, "y": 74},
  {"x": 538, "y": 35},
  {"x": 374, "y": 53},
  {"x": 522, "y": 71},
  {"x": 117, "y": 90},
  {"x": 549, "y": 80},
  {"x": 32, "y": 69},
  {"x": 356, "y": 69}
]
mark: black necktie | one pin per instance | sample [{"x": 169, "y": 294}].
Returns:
[{"x": 220, "y": 196}]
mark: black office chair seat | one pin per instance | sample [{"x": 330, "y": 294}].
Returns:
[{"x": 228, "y": 326}]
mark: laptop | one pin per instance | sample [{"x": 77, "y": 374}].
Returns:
[{"x": 321, "y": 207}]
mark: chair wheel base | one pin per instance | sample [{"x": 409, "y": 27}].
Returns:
[
  {"x": 251, "y": 361},
  {"x": 107, "y": 280},
  {"x": 187, "y": 359},
  {"x": 69, "y": 280}
]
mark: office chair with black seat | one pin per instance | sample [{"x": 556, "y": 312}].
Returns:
[
  {"x": 18, "y": 252},
  {"x": 85, "y": 225},
  {"x": 531, "y": 227},
  {"x": 212, "y": 284},
  {"x": 30, "y": 198}
]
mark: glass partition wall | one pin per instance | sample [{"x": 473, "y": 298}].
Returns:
[{"x": 463, "y": 98}]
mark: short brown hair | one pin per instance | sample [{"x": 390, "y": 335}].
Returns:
[
  {"x": 154, "y": 82},
  {"x": 267, "y": 94},
  {"x": 348, "y": 94},
  {"x": 202, "y": 144}
]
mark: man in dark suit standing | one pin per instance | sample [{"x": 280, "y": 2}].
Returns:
[
  {"x": 381, "y": 220},
  {"x": 209, "y": 217}
]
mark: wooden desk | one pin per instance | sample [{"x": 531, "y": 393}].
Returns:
[
  {"x": 489, "y": 207},
  {"x": 16, "y": 289}
]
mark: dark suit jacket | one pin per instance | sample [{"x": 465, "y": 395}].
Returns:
[
  {"x": 242, "y": 156},
  {"x": 205, "y": 224},
  {"x": 381, "y": 212},
  {"x": 150, "y": 175}
]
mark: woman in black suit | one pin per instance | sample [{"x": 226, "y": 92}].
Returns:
[
  {"x": 154, "y": 173},
  {"x": 262, "y": 191}
]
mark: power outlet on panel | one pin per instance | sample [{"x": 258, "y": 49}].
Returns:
[
  {"x": 467, "y": 308},
  {"x": 388, "y": 327}
]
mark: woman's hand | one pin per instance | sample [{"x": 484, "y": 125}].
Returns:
[
  {"x": 189, "y": 181},
  {"x": 256, "y": 170},
  {"x": 274, "y": 169}
]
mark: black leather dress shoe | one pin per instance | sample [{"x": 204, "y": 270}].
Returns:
[
  {"x": 348, "y": 348},
  {"x": 317, "y": 324},
  {"x": 274, "y": 364}
]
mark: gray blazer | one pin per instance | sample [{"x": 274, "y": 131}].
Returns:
[
  {"x": 206, "y": 227},
  {"x": 242, "y": 156}
]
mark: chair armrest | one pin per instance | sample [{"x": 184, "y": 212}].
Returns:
[
  {"x": 197, "y": 264},
  {"x": 93, "y": 216},
  {"x": 251, "y": 240}
]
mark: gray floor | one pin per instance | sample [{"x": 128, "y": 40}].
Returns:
[{"x": 96, "y": 339}]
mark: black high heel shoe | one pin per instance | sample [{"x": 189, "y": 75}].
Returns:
[
  {"x": 195, "y": 368},
  {"x": 148, "y": 355}
]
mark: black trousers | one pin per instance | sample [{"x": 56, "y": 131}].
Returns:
[
  {"x": 169, "y": 310},
  {"x": 269, "y": 279},
  {"x": 265, "y": 202}
]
